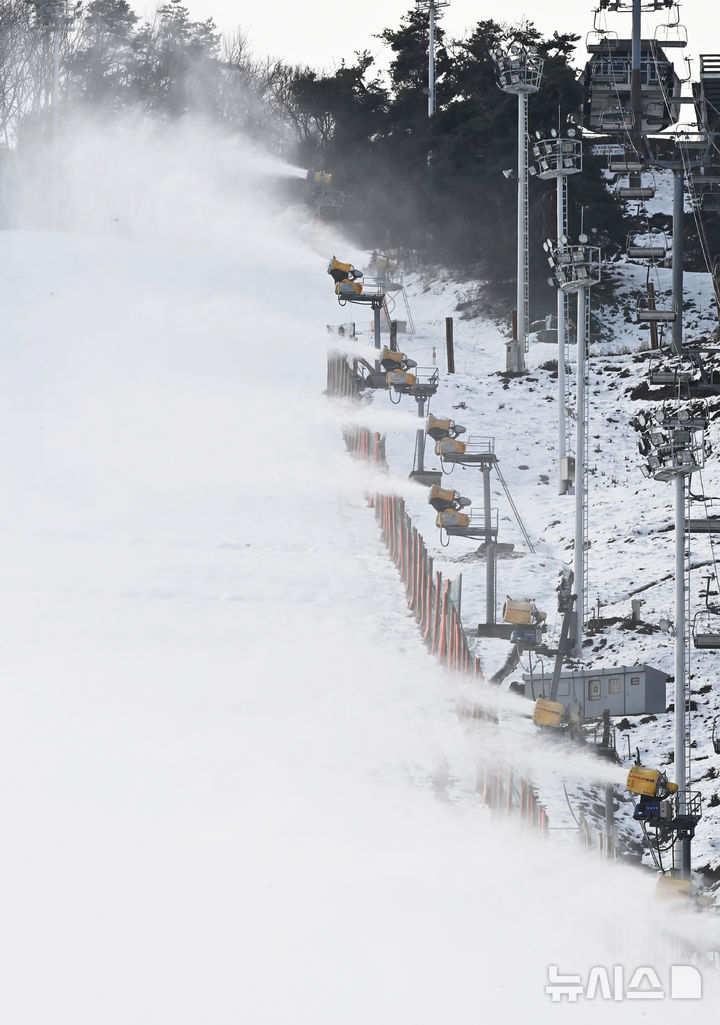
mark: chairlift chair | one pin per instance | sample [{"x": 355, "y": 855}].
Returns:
[
  {"x": 672, "y": 33},
  {"x": 639, "y": 251},
  {"x": 644, "y": 315},
  {"x": 616, "y": 119},
  {"x": 627, "y": 165},
  {"x": 706, "y": 630},
  {"x": 599, "y": 39},
  {"x": 641, "y": 192}
]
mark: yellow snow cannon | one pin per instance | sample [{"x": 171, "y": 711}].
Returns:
[
  {"x": 649, "y": 783},
  {"x": 673, "y": 887},
  {"x": 522, "y": 612},
  {"x": 442, "y": 498},
  {"x": 548, "y": 713},
  {"x": 348, "y": 288},
  {"x": 392, "y": 360},
  {"x": 448, "y": 446},
  {"x": 452, "y": 518},
  {"x": 442, "y": 427},
  {"x": 345, "y": 277},
  {"x": 400, "y": 381},
  {"x": 319, "y": 179}
]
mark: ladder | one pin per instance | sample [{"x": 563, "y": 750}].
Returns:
[
  {"x": 585, "y": 478},
  {"x": 408, "y": 314},
  {"x": 687, "y": 634},
  {"x": 525, "y": 226},
  {"x": 514, "y": 508},
  {"x": 565, "y": 348}
]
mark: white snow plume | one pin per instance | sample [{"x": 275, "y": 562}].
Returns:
[{"x": 221, "y": 735}]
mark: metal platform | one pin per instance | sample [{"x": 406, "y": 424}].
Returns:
[
  {"x": 502, "y": 631},
  {"x": 365, "y": 297},
  {"x": 478, "y": 452},
  {"x": 477, "y": 529},
  {"x": 429, "y": 478}
]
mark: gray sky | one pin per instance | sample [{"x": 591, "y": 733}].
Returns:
[{"x": 322, "y": 32}]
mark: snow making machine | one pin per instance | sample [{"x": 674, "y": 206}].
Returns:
[
  {"x": 345, "y": 276},
  {"x": 548, "y": 711},
  {"x": 449, "y": 506},
  {"x": 322, "y": 194},
  {"x": 398, "y": 367},
  {"x": 527, "y": 621},
  {"x": 665, "y": 814}
]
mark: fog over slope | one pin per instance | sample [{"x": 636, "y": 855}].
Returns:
[{"x": 222, "y": 735}]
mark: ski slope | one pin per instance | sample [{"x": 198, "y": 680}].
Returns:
[{"x": 235, "y": 786}]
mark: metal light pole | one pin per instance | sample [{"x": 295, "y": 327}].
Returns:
[
  {"x": 674, "y": 446},
  {"x": 681, "y": 685},
  {"x": 580, "y": 496},
  {"x": 678, "y": 254},
  {"x": 557, "y": 157},
  {"x": 520, "y": 72},
  {"x": 576, "y": 269},
  {"x": 432, "y": 7}
]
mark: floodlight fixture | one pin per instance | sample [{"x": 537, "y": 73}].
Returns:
[{"x": 577, "y": 266}]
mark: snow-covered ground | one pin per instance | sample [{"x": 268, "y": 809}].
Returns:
[
  {"x": 222, "y": 736},
  {"x": 632, "y": 543}
]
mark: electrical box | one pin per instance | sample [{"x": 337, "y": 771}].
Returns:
[{"x": 567, "y": 468}]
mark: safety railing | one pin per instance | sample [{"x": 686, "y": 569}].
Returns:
[
  {"x": 365, "y": 444},
  {"x": 506, "y": 792},
  {"x": 433, "y": 600},
  {"x": 341, "y": 382},
  {"x": 428, "y": 594}
]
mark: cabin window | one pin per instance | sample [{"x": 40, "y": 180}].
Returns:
[
  {"x": 594, "y": 689},
  {"x": 634, "y": 681},
  {"x": 614, "y": 685}
]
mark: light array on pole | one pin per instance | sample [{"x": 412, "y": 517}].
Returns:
[
  {"x": 519, "y": 69},
  {"x": 574, "y": 266},
  {"x": 557, "y": 156},
  {"x": 50, "y": 15},
  {"x": 672, "y": 443}
]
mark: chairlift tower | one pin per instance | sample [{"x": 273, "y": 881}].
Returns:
[
  {"x": 519, "y": 72},
  {"x": 673, "y": 445},
  {"x": 51, "y": 17},
  {"x": 558, "y": 157},
  {"x": 576, "y": 268},
  {"x": 691, "y": 150}
]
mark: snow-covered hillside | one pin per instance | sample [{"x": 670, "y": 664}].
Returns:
[
  {"x": 221, "y": 733},
  {"x": 632, "y": 543}
]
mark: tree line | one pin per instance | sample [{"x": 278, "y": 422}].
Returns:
[{"x": 370, "y": 129}]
